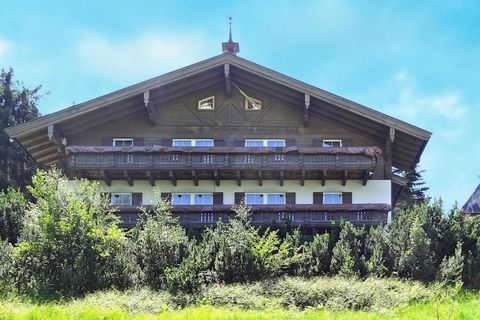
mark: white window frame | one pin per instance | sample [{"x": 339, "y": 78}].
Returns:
[
  {"x": 332, "y": 193},
  {"x": 121, "y": 194},
  {"x": 257, "y": 101},
  {"x": 193, "y": 142},
  {"x": 265, "y": 197},
  {"x": 331, "y": 140},
  {"x": 192, "y": 197},
  {"x": 265, "y": 142},
  {"x": 115, "y": 140},
  {"x": 204, "y": 100}
]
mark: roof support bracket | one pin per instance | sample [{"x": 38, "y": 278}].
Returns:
[
  {"x": 323, "y": 176},
  {"x": 195, "y": 178},
  {"x": 260, "y": 178},
  {"x": 58, "y": 141},
  {"x": 281, "y": 178},
  {"x": 345, "y": 177},
  {"x": 172, "y": 178},
  {"x": 366, "y": 176},
  {"x": 128, "y": 177},
  {"x": 151, "y": 178},
  {"x": 305, "y": 110},
  {"x": 302, "y": 178},
  {"x": 148, "y": 102},
  {"x": 228, "y": 80},
  {"x": 106, "y": 178},
  {"x": 239, "y": 178},
  {"x": 215, "y": 176},
  {"x": 388, "y": 153}
]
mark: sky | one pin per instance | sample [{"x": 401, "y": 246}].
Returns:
[{"x": 416, "y": 61}]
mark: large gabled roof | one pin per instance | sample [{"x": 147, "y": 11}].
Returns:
[
  {"x": 472, "y": 205},
  {"x": 410, "y": 143}
]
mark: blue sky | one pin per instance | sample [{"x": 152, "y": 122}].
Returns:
[{"x": 417, "y": 62}]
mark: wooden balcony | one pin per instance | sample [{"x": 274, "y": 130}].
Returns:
[
  {"x": 299, "y": 215},
  {"x": 173, "y": 163}
]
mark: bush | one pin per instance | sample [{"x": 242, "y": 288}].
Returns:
[
  {"x": 12, "y": 208},
  {"x": 71, "y": 243},
  {"x": 6, "y": 268},
  {"x": 159, "y": 243}
]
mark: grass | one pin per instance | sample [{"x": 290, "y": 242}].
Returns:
[
  {"x": 465, "y": 308},
  {"x": 286, "y": 298}
]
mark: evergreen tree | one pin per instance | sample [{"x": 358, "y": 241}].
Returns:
[
  {"x": 415, "y": 190},
  {"x": 18, "y": 104}
]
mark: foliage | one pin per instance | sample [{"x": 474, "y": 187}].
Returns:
[
  {"x": 12, "y": 207},
  {"x": 70, "y": 243},
  {"x": 18, "y": 104},
  {"x": 451, "y": 268},
  {"x": 316, "y": 259},
  {"x": 6, "y": 268},
  {"x": 346, "y": 256},
  {"x": 159, "y": 243},
  {"x": 415, "y": 192}
]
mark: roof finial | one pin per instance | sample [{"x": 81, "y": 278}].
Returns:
[{"x": 230, "y": 46}]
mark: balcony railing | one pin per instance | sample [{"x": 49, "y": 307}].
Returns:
[
  {"x": 294, "y": 215},
  {"x": 360, "y": 158}
]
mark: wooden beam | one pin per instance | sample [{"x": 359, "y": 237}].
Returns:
[
  {"x": 151, "y": 178},
  {"x": 281, "y": 178},
  {"x": 228, "y": 80},
  {"x": 40, "y": 146},
  {"x": 55, "y": 137},
  {"x": 41, "y": 153},
  {"x": 48, "y": 158},
  {"x": 195, "y": 178},
  {"x": 128, "y": 177},
  {"x": 260, "y": 178},
  {"x": 239, "y": 178},
  {"x": 323, "y": 175},
  {"x": 388, "y": 154},
  {"x": 305, "y": 110},
  {"x": 172, "y": 178},
  {"x": 302, "y": 181},
  {"x": 107, "y": 178},
  {"x": 217, "y": 180},
  {"x": 366, "y": 176},
  {"x": 150, "y": 107},
  {"x": 344, "y": 178}
]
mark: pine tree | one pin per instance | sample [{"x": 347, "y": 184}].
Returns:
[
  {"x": 18, "y": 104},
  {"x": 415, "y": 190}
]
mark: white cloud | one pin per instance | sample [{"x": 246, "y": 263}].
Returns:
[
  {"x": 5, "y": 47},
  {"x": 445, "y": 111},
  {"x": 145, "y": 55}
]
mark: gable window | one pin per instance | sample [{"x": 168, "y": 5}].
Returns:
[
  {"x": 122, "y": 142},
  {"x": 252, "y": 104},
  {"x": 264, "y": 198},
  {"x": 332, "y": 198},
  {"x": 263, "y": 143},
  {"x": 332, "y": 143},
  {"x": 192, "y": 143},
  {"x": 179, "y": 199},
  {"x": 121, "y": 199},
  {"x": 207, "y": 103}
]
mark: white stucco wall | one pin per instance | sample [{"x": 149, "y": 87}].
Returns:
[{"x": 376, "y": 191}]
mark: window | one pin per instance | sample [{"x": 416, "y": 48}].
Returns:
[
  {"x": 253, "y": 104},
  {"x": 260, "y": 143},
  {"x": 121, "y": 199},
  {"x": 122, "y": 142},
  {"x": 332, "y": 198},
  {"x": 332, "y": 143},
  {"x": 207, "y": 104},
  {"x": 179, "y": 199},
  {"x": 192, "y": 143},
  {"x": 264, "y": 198}
]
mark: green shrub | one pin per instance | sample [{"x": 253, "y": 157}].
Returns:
[
  {"x": 70, "y": 242},
  {"x": 12, "y": 207},
  {"x": 451, "y": 268}
]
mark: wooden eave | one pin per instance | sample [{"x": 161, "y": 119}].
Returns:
[{"x": 409, "y": 144}]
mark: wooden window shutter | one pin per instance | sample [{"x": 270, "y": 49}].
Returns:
[
  {"x": 239, "y": 197},
  {"x": 346, "y": 197},
  {"x": 166, "y": 142},
  {"x": 218, "y": 198},
  {"x": 316, "y": 143},
  {"x": 239, "y": 143},
  {"x": 290, "y": 142},
  {"x": 166, "y": 196},
  {"x": 137, "y": 199},
  {"x": 219, "y": 143},
  {"x": 107, "y": 142},
  {"x": 290, "y": 198},
  {"x": 318, "y": 198},
  {"x": 138, "y": 141}
]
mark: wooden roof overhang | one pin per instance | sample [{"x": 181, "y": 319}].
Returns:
[{"x": 42, "y": 137}]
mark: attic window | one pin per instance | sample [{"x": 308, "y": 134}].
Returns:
[
  {"x": 207, "y": 103},
  {"x": 253, "y": 104},
  {"x": 122, "y": 142},
  {"x": 332, "y": 143}
]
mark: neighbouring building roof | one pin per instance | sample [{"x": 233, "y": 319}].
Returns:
[{"x": 473, "y": 203}]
